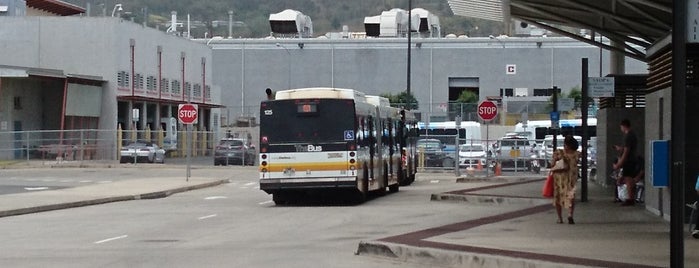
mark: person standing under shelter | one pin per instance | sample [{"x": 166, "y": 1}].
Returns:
[
  {"x": 695, "y": 219},
  {"x": 627, "y": 161}
]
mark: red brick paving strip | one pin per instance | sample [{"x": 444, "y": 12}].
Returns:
[{"x": 417, "y": 238}]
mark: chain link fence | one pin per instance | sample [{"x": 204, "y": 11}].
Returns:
[{"x": 94, "y": 144}]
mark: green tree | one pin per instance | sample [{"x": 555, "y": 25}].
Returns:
[
  {"x": 402, "y": 100},
  {"x": 467, "y": 96},
  {"x": 575, "y": 93}
]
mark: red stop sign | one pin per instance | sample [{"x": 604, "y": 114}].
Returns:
[
  {"x": 188, "y": 113},
  {"x": 487, "y": 110}
]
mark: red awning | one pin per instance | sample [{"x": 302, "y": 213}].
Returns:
[{"x": 55, "y": 6}]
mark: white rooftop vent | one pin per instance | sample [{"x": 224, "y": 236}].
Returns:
[
  {"x": 291, "y": 23},
  {"x": 394, "y": 23},
  {"x": 372, "y": 25},
  {"x": 428, "y": 25}
]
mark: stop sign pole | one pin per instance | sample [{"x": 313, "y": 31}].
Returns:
[
  {"x": 188, "y": 114},
  {"x": 487, "y": 111}
]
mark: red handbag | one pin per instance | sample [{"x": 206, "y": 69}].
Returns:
[{"x": 547, "y": 190}]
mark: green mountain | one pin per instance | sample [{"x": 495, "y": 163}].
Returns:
[{"x": 251, "y": 16}]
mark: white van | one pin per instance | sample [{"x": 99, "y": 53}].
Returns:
[
  {"x": 170, "y": 140},
  {"x": 548, "y": 144}
]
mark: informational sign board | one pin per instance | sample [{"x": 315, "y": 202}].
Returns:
[
  {"x": 566, "y": 104},
  {"x": 601, "y": 87},
  {"x": 660, "y": 163},
  {"x": 555, "y": 120}
]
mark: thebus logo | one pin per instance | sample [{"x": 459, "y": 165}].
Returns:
[
  {"x": 309, "y": 148},
  {"x": 312, "y": 148}
]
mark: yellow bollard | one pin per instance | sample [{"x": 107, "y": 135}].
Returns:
[
  {"x": 421, "y": 159},
  {"x": 183, "y": 148},
  {"x": 148, "y": 134},
  {"x": 133, "y": 133},
  {"x": 195, "y": 144},
  {"x": 120, "y": 135},
  {"x": 204, "y": 143},
  {"x": 161, "y": 137}
]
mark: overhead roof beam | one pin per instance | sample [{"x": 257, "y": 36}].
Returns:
[
  {"x": 639, "y": 56},
  {"x": 653, "y": 4},
  {"x": 645, "y": 14},
  {"x": 616, "y": 17},
  {"x": 581, "y": 23}
]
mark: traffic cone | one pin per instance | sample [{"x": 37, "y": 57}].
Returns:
[
  {"x": 498, "y": 169},
  {"x": 479, "y": 167}
]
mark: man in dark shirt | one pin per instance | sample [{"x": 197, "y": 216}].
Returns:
[{"x": 627, "y": 160}]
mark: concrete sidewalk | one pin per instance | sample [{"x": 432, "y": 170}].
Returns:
[
  {"x": 605, "y": 234},
  {"x": 132, "y": 189}
]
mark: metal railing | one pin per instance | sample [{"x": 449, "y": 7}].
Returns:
[{"x": 95, "y": 144}]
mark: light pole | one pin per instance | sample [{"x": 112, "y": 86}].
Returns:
[
  {"x": 214, "y": 38},
  {"x": 503, "y": 60},
  {"x": 116, "y": 8},
  {"x": 288, "y": 80}
]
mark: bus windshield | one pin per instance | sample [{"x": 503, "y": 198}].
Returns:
[{"x": 302, "y": 121}]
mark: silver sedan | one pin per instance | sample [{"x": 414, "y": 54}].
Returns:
[{"x": 142, "y": 151}]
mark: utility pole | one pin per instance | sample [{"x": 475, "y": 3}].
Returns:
[
  {"x": 555, "y": 110},
  {"x": 410, "y": 13},
  {"x": 585, "y": 136}
]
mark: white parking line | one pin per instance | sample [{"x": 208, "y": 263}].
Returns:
[
  {"x": 35, "y": 188},
  {"x": 111, "y": 239},
  {"x": 250, "y": 183},
  {"x": 434, "y": 181},
  {"x": 266, "y": 202},
  {"x": 214, "y": 197},
  {"x": 207, "y": 216},
  {"x": 85, "y": 181}
]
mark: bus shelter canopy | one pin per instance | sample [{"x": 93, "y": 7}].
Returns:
[{"x": 635, "y": 23}]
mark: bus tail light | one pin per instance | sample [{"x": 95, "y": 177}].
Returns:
[
  {"x": 352, "y": 161},
  {"x": 352, "y": 154},
  {"x": 264, "y": 170},
  {"x": 264, "y": 156},
  {"x": 264, "y": 163}
]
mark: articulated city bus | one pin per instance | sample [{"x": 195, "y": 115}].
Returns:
[{"x": 315, "y": 140}]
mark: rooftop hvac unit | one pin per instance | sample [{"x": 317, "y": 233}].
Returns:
[
  {"x": 394, "y": 23},
  {"x": 428, "y": 24},
  {"x": 372, "y": 25},
  {"x": 291, "y": 23}
]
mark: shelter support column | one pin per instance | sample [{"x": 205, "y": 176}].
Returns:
[{"x": 617, "y": 63}]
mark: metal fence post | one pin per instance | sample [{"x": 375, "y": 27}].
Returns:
[
  {"x": 26, "y": 144},
  {"x": 82, "y": 145},
  {"x": 456, "y": 157}
]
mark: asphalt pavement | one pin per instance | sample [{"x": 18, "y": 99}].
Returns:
[{"x": 604, "y": 234}]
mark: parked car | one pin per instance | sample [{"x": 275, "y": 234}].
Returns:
[
  {"x": 435, "y": 156},
  {"x": 548, "y": 144},
  {"x": 142, "y": 151},
  {"x": 514, "y": 151},
  {"x": 471, "y": 154},
  {"x": 235, "y": 152}
]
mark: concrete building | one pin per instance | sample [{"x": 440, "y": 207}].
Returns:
[
  {"x": 441, "y": 67},
  {"x": 66, "y": 73}
]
